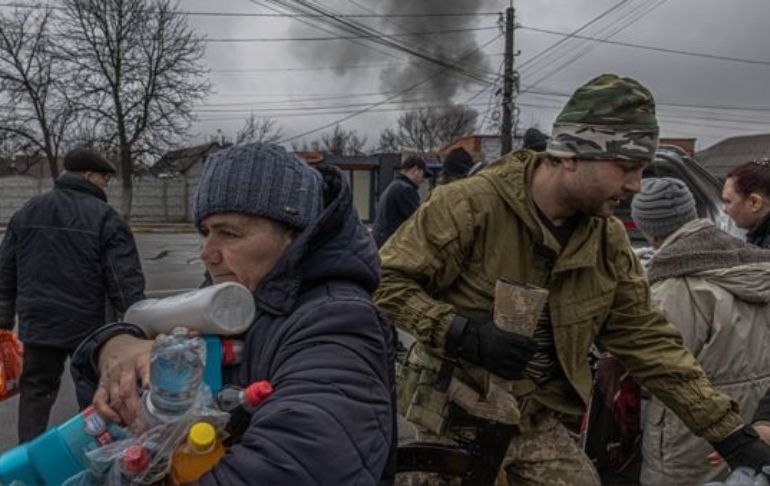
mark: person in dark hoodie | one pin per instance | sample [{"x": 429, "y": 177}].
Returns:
[
  {"x": 535, "y": 140},
  {"x": 290, "y": 234},
  {"x": 65, "y": 254},
  {"x": 716, "y": 290},
  {"x": 399, "y": 200},
  {"x": 456, "y": 165}
]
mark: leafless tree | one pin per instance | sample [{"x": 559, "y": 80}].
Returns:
[
  {"x": 389, "y": 141},
  {"x": 340, "y": 142},
  {"x": 36, "y": 112},
  {"x": 428, "y": 129},
  {"x": 262, "y": 130},
  {"x": 137, "y": 65}
]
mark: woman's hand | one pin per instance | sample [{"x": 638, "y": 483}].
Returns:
[{"x": 123, "y": 361}]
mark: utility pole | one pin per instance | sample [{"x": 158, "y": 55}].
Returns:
[{"x": 506, "y": 134}]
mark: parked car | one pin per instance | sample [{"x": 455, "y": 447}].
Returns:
[{"x": 671, "y": 161}]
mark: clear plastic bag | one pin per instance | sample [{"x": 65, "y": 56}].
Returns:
[{"x": 107, "y": 464}]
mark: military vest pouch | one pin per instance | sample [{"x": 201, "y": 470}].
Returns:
[{"x": 418, "y": 401}]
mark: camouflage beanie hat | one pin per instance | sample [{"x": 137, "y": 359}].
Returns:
[{"x": 608, "y": 118}]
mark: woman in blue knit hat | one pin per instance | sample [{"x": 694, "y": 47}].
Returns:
[{"x": 290, "y": 234}]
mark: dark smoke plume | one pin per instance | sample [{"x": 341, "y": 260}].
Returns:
[{"x": 457, "y": 48}]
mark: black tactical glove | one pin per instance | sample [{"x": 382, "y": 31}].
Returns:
[
  {"x": 744, "y": 448},
  {"x": 503, "y": 353}
]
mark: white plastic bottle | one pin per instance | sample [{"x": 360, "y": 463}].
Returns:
[{"x": 224, "y": 309}]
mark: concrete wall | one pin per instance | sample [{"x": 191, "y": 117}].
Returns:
[{"x": 158, "y": 200}]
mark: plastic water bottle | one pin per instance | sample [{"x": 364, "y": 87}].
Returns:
[
  {"x": 241, "y": 403},
  {"x": 224, "y": 309},
  {"x": 198, "y": 455},
  {"x": 249, "y": 398},
  {"x": 176, "y": 372}
]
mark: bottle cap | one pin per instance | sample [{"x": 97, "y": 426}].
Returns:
[
  {"x": 201, "y": 437},
  {"x": 257, "y": 392},
  {"x": 136, "y": 459}
]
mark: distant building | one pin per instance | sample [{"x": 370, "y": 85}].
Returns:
[
  {"x": 721, "y": 157},
  {"x": 481, "y": 147},
  {"x": 368, "y": 176},
  {"x": 186, "y": 161}
]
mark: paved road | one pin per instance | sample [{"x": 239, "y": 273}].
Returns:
[{"x": 171, "y": 264}]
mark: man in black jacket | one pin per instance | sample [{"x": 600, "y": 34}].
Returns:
[
  {"x": 63, "y": 255},
  {"x": 399, "y": 200}
]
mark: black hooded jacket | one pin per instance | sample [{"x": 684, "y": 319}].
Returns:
[
  {"x": 326, "y": 349},
  {"x": 760, "y": 236},
  {"x": 64, "y": 253}
]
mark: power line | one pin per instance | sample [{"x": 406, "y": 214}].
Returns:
[
  {"x": 350, "y": 26},
  {"x": 548, "y": 49},
  {"x": 394, "y": 96},
  {"x": 278, "y": 15},
  {"x": 664, "y": 104},
  {"x": 651, "y": 48},
  {"x": 348, "y": 37},
  {"x": 634, "y": 17},
  {"x": 350, "y": 114}
]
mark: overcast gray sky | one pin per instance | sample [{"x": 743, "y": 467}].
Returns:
[
  {"x": 306, "y": 84},
  {"x": 735, "y": 29}
]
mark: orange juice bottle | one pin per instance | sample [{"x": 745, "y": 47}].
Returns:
[{"x": 198, "y": 455}]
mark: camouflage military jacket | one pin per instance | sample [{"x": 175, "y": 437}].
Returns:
[{"x": 446, "y": 259}]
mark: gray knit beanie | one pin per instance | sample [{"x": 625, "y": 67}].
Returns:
[
  {"x": 263, "y": 180},
  {"x": 663, "y": 206}
]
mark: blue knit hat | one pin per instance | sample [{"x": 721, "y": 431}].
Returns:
[
  {"x": 663, "y": 206},
  {"x": 263, "y": 180}
]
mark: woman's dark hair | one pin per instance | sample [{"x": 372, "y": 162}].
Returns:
[{"x": 751, "y": 177}]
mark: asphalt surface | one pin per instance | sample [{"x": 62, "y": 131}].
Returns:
[{"x": 171, "y": 265}]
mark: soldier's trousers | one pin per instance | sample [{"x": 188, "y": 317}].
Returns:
[{"x": 544, "y": 454}]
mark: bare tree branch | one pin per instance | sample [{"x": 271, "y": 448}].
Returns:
[
  {"x": 139, "y": 69},
  {"x": 37, "y": 111},
  {"x": 263, "y": 130},
  {"x": 340, "y": 142},
  {"x": 428, "y": 129}
]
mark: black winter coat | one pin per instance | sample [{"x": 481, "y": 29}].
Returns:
[
  {"x": 761, "y": 235},
  {"x": 397, "y": 203},
  {"x": 64, "y": 253},
  {"x": 326, "y": 349}
]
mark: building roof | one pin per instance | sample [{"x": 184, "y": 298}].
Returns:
[
  {"x": 181, "y": 160},
  {"x": 721, "y": 157}
]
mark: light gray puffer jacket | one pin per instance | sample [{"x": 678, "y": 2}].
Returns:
[{"x": 716, "y": 290}]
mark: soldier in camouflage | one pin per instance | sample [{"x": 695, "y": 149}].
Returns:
[{"x": 545, "y": 220}]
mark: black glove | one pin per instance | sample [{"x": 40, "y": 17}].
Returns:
[
  {"x": 744, "y": 448},
  {"x": 503, "y": 353}
]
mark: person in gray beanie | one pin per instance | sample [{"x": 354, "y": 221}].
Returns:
[
  {"x": 290, "y": 234},
  {"x": 716, "y": 290},
  {"x": 662, "y": 207}
]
